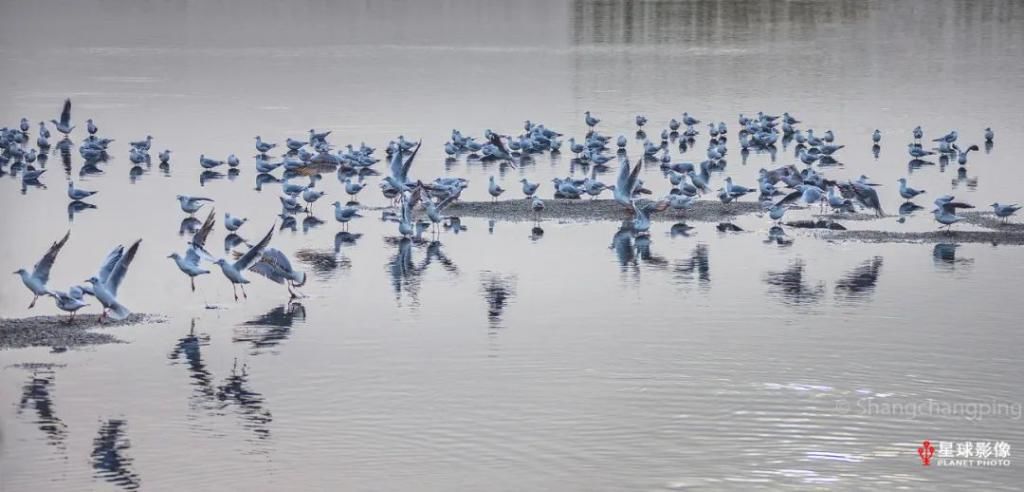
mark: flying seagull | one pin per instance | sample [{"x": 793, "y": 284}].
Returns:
[
  {"x": 40, "y": 274},
  {"x": 104, "y": 284}
]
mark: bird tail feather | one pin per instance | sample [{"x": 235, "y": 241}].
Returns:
[{"x": 118, "y": 312}]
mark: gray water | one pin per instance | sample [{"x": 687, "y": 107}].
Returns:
[{"x": 497, "y": 358}]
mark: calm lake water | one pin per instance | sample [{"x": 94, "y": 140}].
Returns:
[{"x": 499, "y": 358}]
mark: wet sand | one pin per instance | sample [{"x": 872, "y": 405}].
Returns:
[
  {"x": 715, "y": 211},
  {"x": 585, "y": 209},
  {"x": 54, "y": 331}
]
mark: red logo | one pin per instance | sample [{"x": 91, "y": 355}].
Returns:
[{"x": 926, "y": 451}]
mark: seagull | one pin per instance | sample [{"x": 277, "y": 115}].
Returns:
[
  {"x": 263, "y": 166},
  {"x": 689, "y": 120},
  {"x": 962, "y": 153},
  {"x": 91, "y": 127},
  {"x": 353, "y": 187},
  {"x": 70, "y": 301},
  {"x": 626, "y": 183},
  {"x": 106, "y": 282},
  {"x": 494, "y": 189},
  {"x": 143, "y": 145},
  {"x": 165, "y": 156},
  {"x": 344, "y": 214},
  {"x": 918, "y": 152},
  {"x": 1004, "y": 211},
  {"x": 233, "y": 271},
  {"x": 189, "y": 265},
  {"x": 64, "y": 125},
  {"x": 274, "y": 265},
  {"x": 948, "y": 138},
  {"x": 918, "y": 133},
  {"x": 295, "y": 144},
  {"x": 736, "y": 191},
  {"x": 263, "y": 147},
  {"x": 907, "y": 192},
  {"x": 590, "y": 120},
  {"x": 192, "y": 204},
  {"x": 289, "y": 205},
  {"x": 77, "y": 193},
  {"x": 538, "y": 206},
  {"x": 310, "y": 195},
  {"x": 641, "y": 120},
  {"x": 209, "y": 163},
  {"x": 989, "y": 135},
  {"x": 529, "y": 189},
  {"x": 43, "y": 131},
  {"x": 877, "y": 136},
  {"x": 233, "y": 161},
  {"x": 945, "y": 214},
  {"x": 36, "y": 280}
]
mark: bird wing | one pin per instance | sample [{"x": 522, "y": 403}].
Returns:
[
  {"x": 649, "y": 206},
  {"x": 109, "y": 262},
  {"x": 273, "y": 265},
  {"x": 199, "y": 238},
  {"x": 950, "y": 207},
  {"x": 396, "y": 163},
  {"x": 254, "y": 252},
  {"x": 41, "y": 270},
  {"x": 790, "y": 198},
  {"x": 121, "y": 268},
  {"x": 408, "y": 162},
  {"x": 192, "y": 256},
  {"x": 65, "y": 114}
]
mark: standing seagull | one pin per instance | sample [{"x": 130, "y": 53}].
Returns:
[
  {"x": 494, "y": 190},
  {"x": 106, "y": 282},
  {"x": 233, "y": 271},
  {"x": 70, "y": 301},
  {"x": 907, "y": 192},
  {"x": 945, "y": 214},
  {"x": 590, "y": 120},
  {"x": 77, "y": 194},
  {"x": 40, "y": 274},
  {"x": 64, "y": 125},
  {"x": 1004, "y": 211},
  {"x": 192, "y": 204}
]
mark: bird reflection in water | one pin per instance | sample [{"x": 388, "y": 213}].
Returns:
[
  {"x": 777, "y": 235},
  {"x": 36, "y": 395},
  {"x": 324, "y": 264},
  {"x": 232, "y": 241},
  {"x": 631, "y": 249},
  {"x": 270, "y": 329},
  {"x": 497, "y": 290},
  {"x": 310, "y": 222},
  {"x": 209, "y": 176},
  {"x": 189, "y": 348},
  {"x": 406, "y": 274},
  {"x": 944, "y": 256},
  {"x": 108, "y": 456},
  {"x": 791, "y": 285},
  {"x": 696, "y": 265},
  {"x": 189, "y": 225},
  {"x": 963, "y": 179},
  {"x": 76, "y": 207},
  {"x": 248, "y": 403},
  {"x": 860, "y": 282}
]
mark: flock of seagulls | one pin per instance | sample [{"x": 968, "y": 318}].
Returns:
[{"x": 419, "y": 205}]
